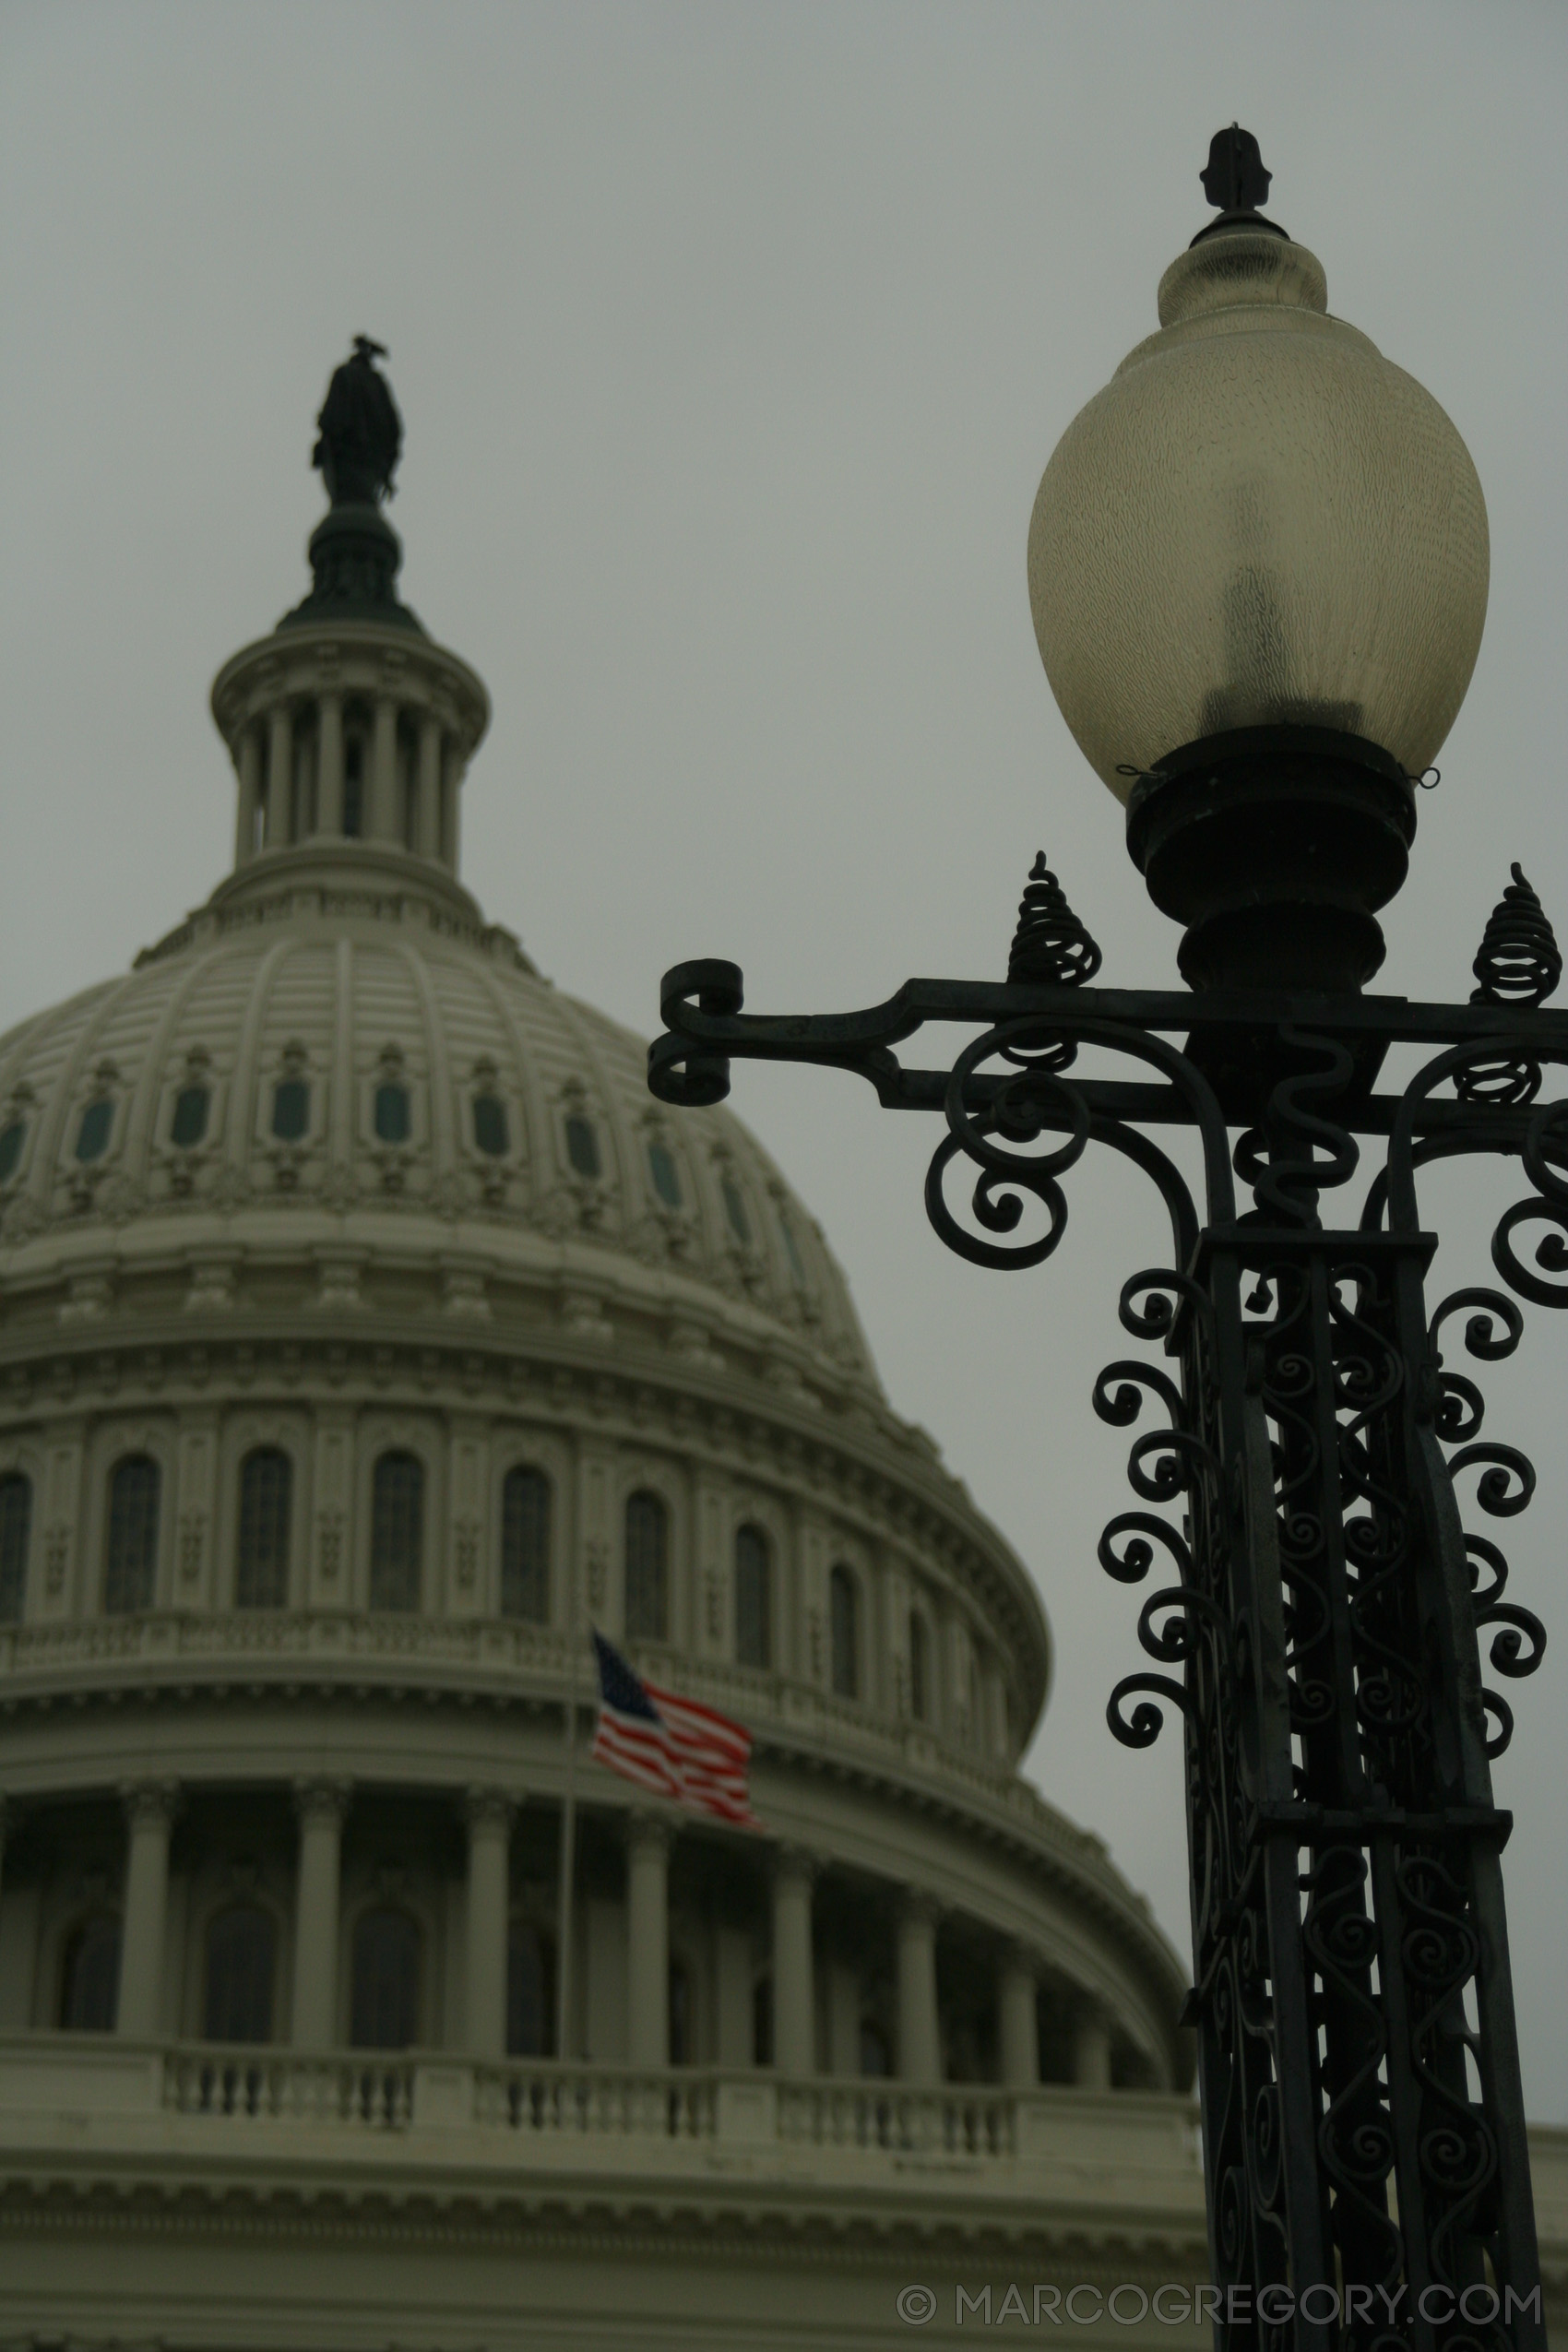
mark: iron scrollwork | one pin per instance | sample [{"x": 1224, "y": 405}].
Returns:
[{"x": 1318, "y": 1626}]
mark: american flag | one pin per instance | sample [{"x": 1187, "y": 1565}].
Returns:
[{"x": 676, "y": 1747}]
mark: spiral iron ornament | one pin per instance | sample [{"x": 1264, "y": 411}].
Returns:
[
  {"x": 1518, "y": 962},
  {"x": 1050, "y": 943}
]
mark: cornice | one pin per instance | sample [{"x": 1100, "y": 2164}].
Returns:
[
  {"x": 798, "y": 2223},
  {"x": 347, "y": 657}
]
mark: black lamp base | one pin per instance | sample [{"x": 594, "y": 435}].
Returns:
[{"x": 1275, "y": 847}]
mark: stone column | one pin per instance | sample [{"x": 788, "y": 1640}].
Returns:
[
  {"x": 427, "y": 835},
  {"x": 451, "y": 806},
  {"x": 794, "y": 2005},
  {"x": 321, "y": 1805},
  {"x": 280, "y": 775},
  {"x": 920, "y": 2043},
  {"x": 250, "y": 793},
  {"x": 383, "y": 823},
  {"x": 1018, "y": 2022},
  {"x": 150, "y": 1816},
  {"x": 329, "y": 769},
  {"x": 649, "y": 1841},
  {"x": 489, "y": 1812},
  {"x": 1091, "y": 2050}
]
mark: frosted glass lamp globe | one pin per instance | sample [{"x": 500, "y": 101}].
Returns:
[{"x": 1259, "y": 522}]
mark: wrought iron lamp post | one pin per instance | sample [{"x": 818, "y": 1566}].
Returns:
[{"x": 1258, "y": 566}]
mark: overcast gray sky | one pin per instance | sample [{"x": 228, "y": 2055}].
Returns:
[{"x": 731, "y": 343}]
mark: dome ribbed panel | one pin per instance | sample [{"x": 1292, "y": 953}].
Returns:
[
  {"x": 159, "y": 1068},
  {"x": 60, "y": 1092},
  {"x": 342, "y": 1003}
]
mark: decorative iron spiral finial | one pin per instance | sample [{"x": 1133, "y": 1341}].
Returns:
[
  {"x": 1519, "y": 962},
  {"x": 1051, "y": 944}
]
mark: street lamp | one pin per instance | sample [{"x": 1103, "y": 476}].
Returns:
[{"x": 1258, "y": 567}]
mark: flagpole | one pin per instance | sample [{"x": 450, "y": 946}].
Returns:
[{"x": 567, "y": 1870}]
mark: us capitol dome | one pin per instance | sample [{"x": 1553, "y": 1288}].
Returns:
[{"x": 367, "y": 1333}]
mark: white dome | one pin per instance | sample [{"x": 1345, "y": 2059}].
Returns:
[{"x": 517, "y": 1133}]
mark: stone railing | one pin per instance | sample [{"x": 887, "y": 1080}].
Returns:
[
  {"x": 377, "y": 2092},
  {"x": 401, "y": 2095},
  {"x": 959, "y": 2121}
]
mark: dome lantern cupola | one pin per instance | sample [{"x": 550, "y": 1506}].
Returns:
[{"x": 349, "y": 730}]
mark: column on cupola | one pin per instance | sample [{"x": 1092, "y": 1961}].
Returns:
[
  {"x": 1091, "y": 2049},
  {"x": 150, "y": 1817},
  {"x": 920, "y": 2041},
  {"x": 453, "y": 765},
  {"x": 1018, "y": 2019},
  {"x": 321, "y": 1805},
  {"x": 384, "y": 825},
  {"x": 329, "y": 754},
  {"x": 794, "y": 2000},
  {"x": 280, "y": 775},
  {"x": 649, "y": 1841},
  {"x": 247, "y": 761},
  {"x": 427, "y": 822},
  {"x": 489, "y": 1814}
]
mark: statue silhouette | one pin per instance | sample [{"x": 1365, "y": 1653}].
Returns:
[{"x": 360, "y": 432}]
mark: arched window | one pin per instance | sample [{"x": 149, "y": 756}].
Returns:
[
  {"x": 919, "y": 1667},
  {"x": 753, "y": 1598},
  {"x": 844, "y": 1632},
  {"x": 130, "y": 1569},
  {"x": 15, "y": 1526},
  {"x": 582, "y": 1145},
  {"x": 489, "y": 1125},
  {"x": 385, "y": 2001},
  {"x": 391, "y": 1112},
  {"x": 92, "y": 1136},
  {"x": 525, "y": 1546},
  {"x": 89, "y": 1975},
  {"x": 242, "y": 1964},
  {"x": 11, "y": 1143},
  {"x": 665, "y": 1174},
  {"x": 261, "y": 1572},
  {"x": 680, "y": 2014},
  {"x": 397, "y": 1532},
  {"x": 735, "y": 1210},
  {"x": 531, "y": 1991},
  {"x": 291, "y": 1110},
  {"x": 648, "y": 1549},
  {"x": 188, "y": 1124}
]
